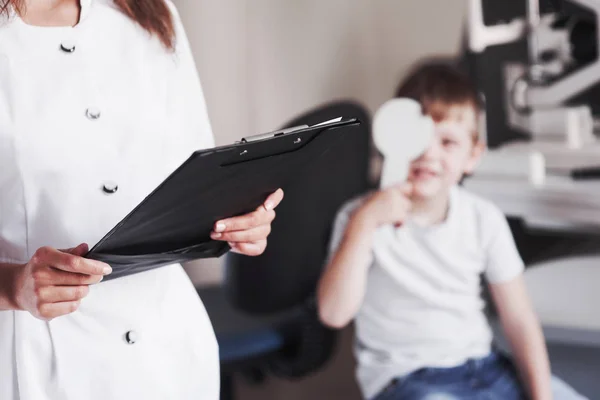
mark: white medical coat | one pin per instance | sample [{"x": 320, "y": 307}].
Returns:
[{"x": 85, "y": 110}]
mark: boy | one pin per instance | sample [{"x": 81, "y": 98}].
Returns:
[{"x": 421, "y": 332}]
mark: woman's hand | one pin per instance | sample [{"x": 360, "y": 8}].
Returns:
[
  {"x": 53, "y": 282},
  {"x": 247, "y": 234}
]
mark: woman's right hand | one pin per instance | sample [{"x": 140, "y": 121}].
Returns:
[
  {"x": 53, "y": 282},
  {"x": 388, "y": 206}
]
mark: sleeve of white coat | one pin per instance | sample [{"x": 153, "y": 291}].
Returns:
[
  {"x": 190, "y": 126},
  {"x": 504, "y": 262}
]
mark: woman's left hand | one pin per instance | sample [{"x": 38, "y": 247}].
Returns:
[{"x": 247, "y": 234}]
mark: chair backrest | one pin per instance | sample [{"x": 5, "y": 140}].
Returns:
[{"x": 287, "y": 273}]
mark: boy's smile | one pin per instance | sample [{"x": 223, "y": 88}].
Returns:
[{"x": 424, "y": 172}]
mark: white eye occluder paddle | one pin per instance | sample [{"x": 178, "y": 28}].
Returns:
[{"x": 401, "y": 133}]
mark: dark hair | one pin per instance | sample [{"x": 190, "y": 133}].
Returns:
[
  {"x": 439, "y": 86},
  {"x": 152, "y": 15}
]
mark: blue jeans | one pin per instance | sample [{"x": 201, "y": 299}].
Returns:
[{"x": 491, "y": 378}]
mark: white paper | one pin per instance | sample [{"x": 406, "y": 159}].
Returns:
[{"x": 331, "y": 121}]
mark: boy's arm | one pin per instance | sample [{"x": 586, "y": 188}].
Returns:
[
  {"x": 524, "y": 334},
  {"x": 504, "y": 273},
  {"x": 342, "y": 287}
]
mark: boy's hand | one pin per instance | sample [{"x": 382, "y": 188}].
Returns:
[{"x": 389, "y": 206}]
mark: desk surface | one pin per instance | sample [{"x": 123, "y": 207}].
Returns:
[{"x": 560, "y": 203}]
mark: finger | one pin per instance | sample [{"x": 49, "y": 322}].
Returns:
[
  {"x": 248, "y": 235},
  {"x": 59, "y": 277},
  {"x": 80, "y": 265},
  {"x": 249, "y": 249},
  {"x": 69, "y": 262},
  {"x": 406, "y": 188},
  {"x": 49, "y": 311},
  {"x": 273, "y": 200},
  {"x": 57, "y": 294},
  {"x": 401, "y": 207},
  {"x": 80, "y": 250},
  {"x": 245, "y": 222},
  {"x": 403, "y": 202}
]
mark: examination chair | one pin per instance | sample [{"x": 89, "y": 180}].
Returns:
[{"x": 264, "y": 314}]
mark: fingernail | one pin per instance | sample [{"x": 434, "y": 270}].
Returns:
[
  {"x": 106, "y": 270},
  {"x": 268, "y": 205},
  {"x": 220, "y": 227},
  {"x": 216, "y": 235}
]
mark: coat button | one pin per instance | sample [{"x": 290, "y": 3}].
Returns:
[
  {"x": 92, "y": 113},
  {"x": 110, "y": 187},
  {"x": 131, "y": 337},
  {"x": 67, "y": 46}
]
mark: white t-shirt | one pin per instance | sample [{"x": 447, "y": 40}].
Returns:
[{"x": 423, "y": 304}]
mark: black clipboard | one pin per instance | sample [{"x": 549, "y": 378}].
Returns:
[{"x": 173, "y": 223}]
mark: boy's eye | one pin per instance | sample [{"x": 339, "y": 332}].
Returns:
[{"x": 448, "y": 142}]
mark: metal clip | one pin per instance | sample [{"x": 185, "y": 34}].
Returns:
[{"x": 271, "y": 134}]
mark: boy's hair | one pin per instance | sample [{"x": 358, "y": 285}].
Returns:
[{"x": 438, "y": 87}]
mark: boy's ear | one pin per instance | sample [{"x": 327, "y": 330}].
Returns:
[{"x": 476, "y": 153}]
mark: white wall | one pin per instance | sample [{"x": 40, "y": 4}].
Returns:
[{"x": 263, "y": 61}]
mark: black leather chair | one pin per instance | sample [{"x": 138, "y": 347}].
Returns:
[{"x": 264, "y": 314}]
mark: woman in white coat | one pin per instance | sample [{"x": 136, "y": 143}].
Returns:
[{"x": 99, "y": 102}]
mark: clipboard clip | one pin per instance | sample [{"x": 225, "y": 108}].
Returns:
[
  {"x": 285, "y": 131},
  {"x": 270, "y": 135}
]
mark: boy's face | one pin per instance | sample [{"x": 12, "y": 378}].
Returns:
[{"x": 452, "y": 153}]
